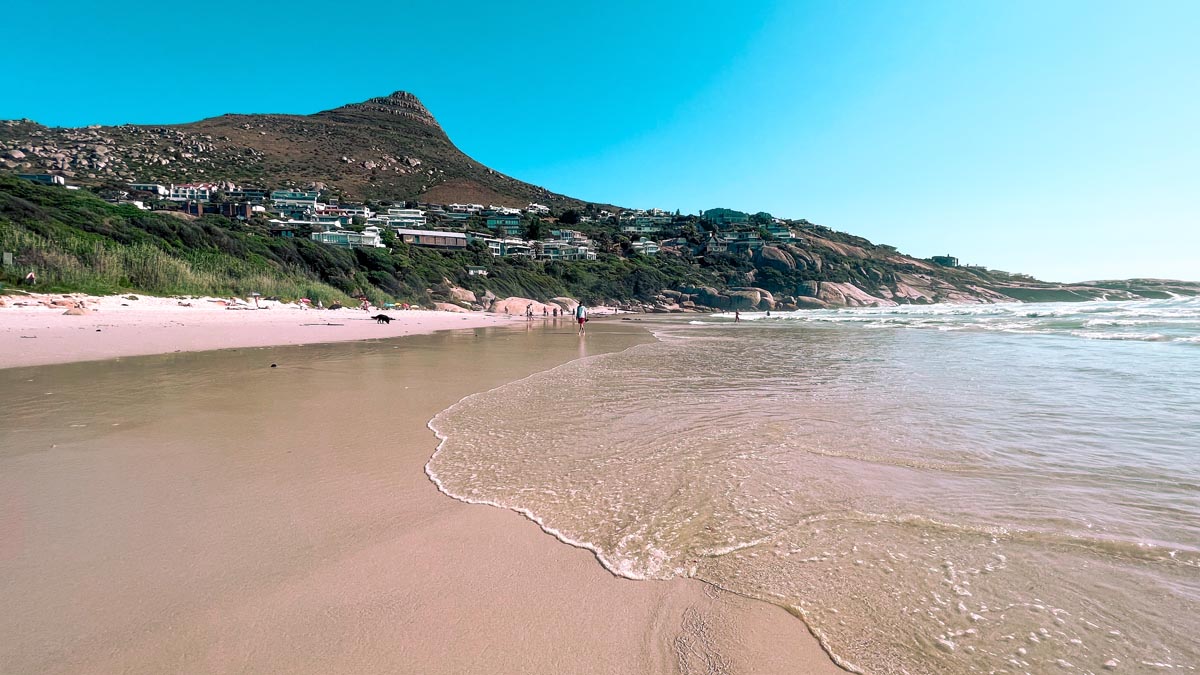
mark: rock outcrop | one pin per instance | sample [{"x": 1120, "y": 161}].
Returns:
[
  {"x": 777, "y": 258},
  {"x": 462, "y": 295},
  {"x": 449, "y": 307},
  {"x": 516, "y": 306}
]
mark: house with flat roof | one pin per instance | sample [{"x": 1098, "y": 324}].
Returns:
[
  {"x": 43, "y": 178},
  {"x": 510, "y": 225},
  {"x": 408, "y": 218},
  {"x": 515, "y": 248},
  {"x": 191, "y": 192},
  {"x": 353, "y": 210},
  {"x": 562, "y": 250},
  {"x": 368, "y": 238},
  {"x": 573, "y": 236},
  {"x": 295, "y": 211},
  {"x": 252, "y": 195},
  {"x": 295, "y": 197},
  {"x": 200, "y": 192},
  {"x": 503, "y": 247},
  {"x": 433, "y": 238},
  {"x": 645, "y": 224},
  {"x": 153, "y": 188},
  {"x": 282, "y": 229},
  {"x": 645, "y": 247},
  {"x": 780, "y": 231},
  {"x": 330, "y": 219}
]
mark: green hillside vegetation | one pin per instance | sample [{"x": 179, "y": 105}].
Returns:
[{"x": 76, "y": 242}]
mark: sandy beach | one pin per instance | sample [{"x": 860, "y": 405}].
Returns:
[
  {"x": 32, "y": 333},
  {"x": 204, "y": 512}
]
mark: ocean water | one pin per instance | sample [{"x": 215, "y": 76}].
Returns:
[{"x": 942, "y": 489}]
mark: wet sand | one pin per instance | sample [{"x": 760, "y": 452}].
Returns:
[{"x": 203, "y": 512}]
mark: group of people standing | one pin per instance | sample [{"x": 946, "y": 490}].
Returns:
[{"x": 580, "y": 314}]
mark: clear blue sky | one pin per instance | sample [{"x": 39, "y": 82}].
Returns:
[{"x": 1056, "y": 138}]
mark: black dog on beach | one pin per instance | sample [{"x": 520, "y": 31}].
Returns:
[{"x": 382, "y": 318}]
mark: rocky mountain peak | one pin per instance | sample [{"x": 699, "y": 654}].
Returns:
[
  {"x": 388, "y": 147},
  {"x": 399, "y": 103}
]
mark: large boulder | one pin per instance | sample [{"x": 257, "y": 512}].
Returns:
[
  {"x": 849, "y": 295},
  {"x": 804, "y": 260},
  {"x": 565, "y": 304},
  {"x": 875, "y": 275},
  {"x": 516, "y": 306},
  {"x": 462, "y": 294},
  {"x": 449, "y": 307},
  {"x": 776, "y": 258},
  {"x": 766, "y": 299},
  {"x": 710, "y": 297},
  {"x": 748, "y": 299},
  {"x": 808, "y": 289},
  {"x": 811, "y": 303},
  {"x": 831, "y": 294}
]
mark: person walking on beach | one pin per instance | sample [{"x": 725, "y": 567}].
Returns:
[
  {"x": 529, "y": 312},
  {"x": 581, "y": 317},
  {"x": 737, "y": 316}
]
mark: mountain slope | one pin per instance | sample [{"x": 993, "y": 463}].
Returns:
[{"x": 385, "y": 148}]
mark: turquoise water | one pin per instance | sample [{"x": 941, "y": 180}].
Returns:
[{"x": 998, "y": 488}]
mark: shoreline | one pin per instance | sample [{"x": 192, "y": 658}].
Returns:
[
  {"x": 840, "y": 664},
  {"x": 231, "y": 522}
]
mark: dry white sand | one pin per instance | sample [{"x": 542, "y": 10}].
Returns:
[
  {"x": 207, "y": 513},
  {"x": 32, "y": 333}
]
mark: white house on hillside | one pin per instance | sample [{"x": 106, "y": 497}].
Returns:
[
  {"x": 191, "y": 192},
  {"x": 153, "y": 188},
  {"x": 368, "y": 238},
  {"x": 413, "y": 218}
]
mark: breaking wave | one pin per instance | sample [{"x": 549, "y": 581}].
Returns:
[{"x": 1175, "y": 320}]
